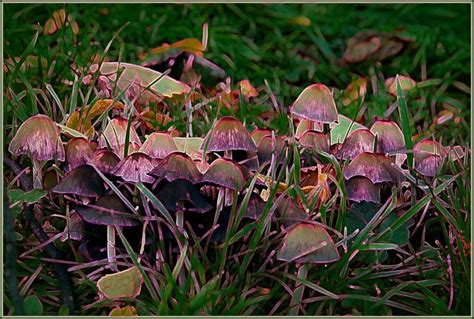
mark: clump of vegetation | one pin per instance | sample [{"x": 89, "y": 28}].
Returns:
[{"x": 163, "y": 188}]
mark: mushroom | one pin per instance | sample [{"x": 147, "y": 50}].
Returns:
[
  {"x": 315, "y": 140},
  {"x": 259, "y": 133},
  {"x": 429, "y": 156},
  {"x": 114, "y": 134},
  {"x": 270, "y": 147},
  {"x": 105, "y": 160},
  {"x": 359, "y": 141},
  {"x": 374, "y": 166},
  {"x": 316, "y": 103},
  {"x": 406, "y": 84},
  {"x": 360, "y": 188},
  {"x": 132, "y": 148},
  {"x": 110, "y": 211},
  {"x": 175, "y": 166},
  {"x": 39, "y": 138},
  {"x": 78, "y": 152},
  {"x": 135, "y": 167},
  {"x": 389, "y": 136},
  {"x": 308, "y": 243},
  {"x": 307, "y": 125},
  {"x": 82, "y": 181},
  {"x": 289, "y": 211},
  {"x": 159, "y": 145}
]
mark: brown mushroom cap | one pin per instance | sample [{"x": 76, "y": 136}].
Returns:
[
  {"x": 78, "y": 152},
  {"x": 374, "y": 166},
  {"x": 135, "y": 167},
  {"x": 159, "y": 145},
  {"x": 226, "y": 173},
  {"x": 429, "y": 156},
  {"x": 228, "y": 133},
  {"x": 108, "y": 210},
  {"x": 359, "y": 141},
  {"x": 259, "y": 133},
  {"x": 105, "y": 160},
  {"x": 38, "y": 136},
  {"x": 269, "y": 146},
  {"x": 82, "y": 181},
  {"x": 316, "y": 103},
  {"x": 307, "y": 125},
  {"x": 389, "y": 136},
  {"x": 362, "y": 189},
  {"x": 115, "y": 133},
  {"x": 315, "y": 140},
  {"x": 177, "y": 165}
]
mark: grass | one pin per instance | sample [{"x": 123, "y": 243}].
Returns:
[{"x": 386, "y": 268}]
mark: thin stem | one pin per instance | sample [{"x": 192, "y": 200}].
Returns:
[{"x": 111, "y": 252}]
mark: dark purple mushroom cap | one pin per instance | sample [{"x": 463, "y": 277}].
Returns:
[
  {"x": 289, "y": 211},
  {"x": 39, "y": 137},
  {"x": 105, "y": 160},
  {"x": 429, "y": 156},
  {"x": 389, "y": 136},
  {"x": 159, "y": 145},
  {"x": 362, "y": 189},
  {"x": 374, "y": 166},
  {"x": 135, "y": 167},
  {"x": 78, "y": 152},
  {"x": 255, "y": 207},
  {"x": 82, "y": 181},
  {"x": 108, "y": 210},
  {"x": 227, "y": 134},
  {"x": 269, "y": 146},
  {"x": 308, "y": 243},
  {"x": 226, "y": 173},
  {"x": 181, "y": 194},
  {"x": 357, "y": 142},
  {"x": 307, "y": 125},
  {"x": 315, "y": 140},
  {"x": 115, "y": 133},
  {"x": 259, "y": 133},
  {"x": 175, "y": 166},
  {"x": 316, "y": 103}
]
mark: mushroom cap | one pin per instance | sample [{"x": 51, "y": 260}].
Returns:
[
  {"x": 105, "y": 160},
  {"x": 38, "y": 136},
  {"x": 267, "y": 147},
  {"x": 316, "y": 103},
  {"x": 259, "y": 133},
  {"x": 429, "y": 156},
  {"x": 78, "y": 152},
  {"x": 135, "y": 167},
  {"x": 132, "y": 148},
  {"x": 360, "y": 51},
  {"x": 255, "y": 207},
  {"x": 159, "y": 145},
  {"x": 406, "y": 84},
  {"x": 115, "y": 133},
  {"x": 82, "y": 181},
  {"x": 228, "y": 133},
  {"x": 289, "y": 211},
  {"x": 226, "y": 173},
  {"x": 374, "y": 166},
  {"x": 389, "y": 136},
  {"x": 308, "y": 243},
  {"x": 362, "y": 189},
  {"x": 359, "y": 141},
  {"x": 315, "y": 140},
  {"x": 177, "y": 165},
  {"x": 181, "y": 191},
  {"x": 307, "y": 125},
  {"x": 108, "y": 210}
]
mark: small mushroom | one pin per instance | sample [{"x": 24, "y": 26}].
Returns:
[
  {"x": 389, "y": 136},
  {"x": 255, "y": 207},
  {"x": 307, "y": 125},
  {"x": 289, "y": 212},
  {"x": 258, "y": 134},
  {"x": 114, "y": 134},
  {"x": 175, "y": 166},
  {"x": 82, "y": 181},
  {"x": 429, "y": 156},
  {"x": 360, "y": 188},
  {"x": 268, "y": 147},
  {"x": 406, "y": 84},
  {"x": 225, "y": 173},
  {"x": 105, "y": 160},
  {"x": 315, "y": 141},
  {"x": 182, "y": 195},
  {"x": 135, "y": 167},
  {"x": 78, "y": 152},
  {"x": 308, "y": 243},
  {"x": 159, "y": 145},
  {"x": 374, "y": 166},
  {"x": 359, "y": 141},
  {"x": 316, "y": 103}
]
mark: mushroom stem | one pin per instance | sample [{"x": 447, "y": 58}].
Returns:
[
  {"x": 111, "y": 254},
  {"x": 37, "y": 176}
]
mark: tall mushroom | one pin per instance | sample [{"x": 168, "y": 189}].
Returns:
[
  {"x": 175, "y": 166},
  {"x": 359, "y": 141},
  {"x": 429, "y": 156},
  {"x": 316, "y": 103}
]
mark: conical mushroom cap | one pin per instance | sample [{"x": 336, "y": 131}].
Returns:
[
  {"x": 406, "y": 84},
  {"x": 315, "y": 140},
  {"x": 307, "y": 125},
  {"x": 316, "y": 103},
  {"x": 175, "y": 166},
  {"x": 115, "y": 133},
  {"x": 227, "y": 134},
  {"x": 259, "y": 133},
  {"x": 226, "y": 173},
  {"x": 132, "y": 148},
  {"x": 38, "y": 136},
  {"x": 389, "y": 136},
  {"x": 105, "y": 160},
  {"x": 255, "y": 207},
  {"x": 359, "y": 141},
  {"x": 362, "y": 189},
  {"x": 108, "y": 210},
  {"x": 181, "y": 191},
  {"x": 82, "y": 181},
  {"x": 308, "y": 243},
  {"x": 429, "y": 156},
  {"x": 268, "y": 146},
  {"x": 289, "y": 211},
  {"x": 78, "y": 152},
  {"x": 376, "y": 167},
  {"x": 159, "y": 145},
  {"x": 135, "y": 167}
]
